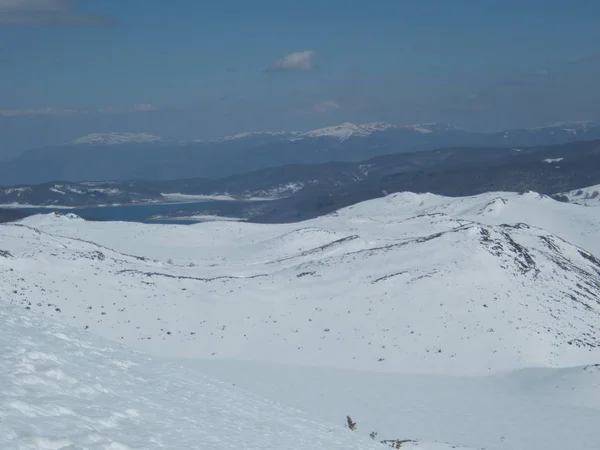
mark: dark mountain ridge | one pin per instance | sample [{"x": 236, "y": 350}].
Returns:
[
  {"x": 164, "y": 160},
  {"x": 301, "y": 191}
]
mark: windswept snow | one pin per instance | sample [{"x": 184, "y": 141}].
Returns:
[
  {"x": 589, "y": 196},
  {"x": 389, "y": 310},
  {"x": 524, "y": 410},
  {"x": 407, "y": 282},
  {"x": 59, "y": 390}
]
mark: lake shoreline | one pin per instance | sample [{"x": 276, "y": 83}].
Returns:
[
  {"x": 184, "y": 213},
  {"x": 170, "y": 199}
]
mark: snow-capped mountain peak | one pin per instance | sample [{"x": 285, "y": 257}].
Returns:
[
  {"x": 427, "y": 128},
  {"x": 589, "y": 196},
  {"x": 115, "y": 138},
  {"x": 267, "y": 135},
  {"x": 346, "y": 130},
  {"x": 250, "y": 134},
  {"x": 572, "y": 127}
]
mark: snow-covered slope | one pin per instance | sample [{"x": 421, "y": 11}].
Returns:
[
  {"x": 589, "y": 196},
  {"x": 115, "y": 138},
  {"x": 573, "y": 127},
  {"x": 345, "y": 131},
  {"x": 250, "y": 136},
  {"x": 61, "y": 390},
  {"x": 339, "y": 132},
  {"x": 77, "y": 194},
  {"x": 579, "y": 226},
  {"x": 525, "y": 410},
  {"x": 409, "y": 282},
  {"x": 253, "y": 134},
  {"x": 422, "y": 287}
]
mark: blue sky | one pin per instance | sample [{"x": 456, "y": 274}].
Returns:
[{"x": 200, "y": 66}]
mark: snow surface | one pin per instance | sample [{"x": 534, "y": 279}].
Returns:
[
  {"x": 589, "y": 196},
  {"x": 572, "y": 127},
  {"x": 339, "y": 132},
  {"x": 181, "y": 198},
  {"x": 244, "y": 135},
  {"x": 347, "y": 130},
  {"x": 250, "y": 134},
  {"x": 390, "y": 310},
  {"x": 27, "y": 205},
  {"x": 198, "y": 218},
  {"x": 17, "y": 190},
  {"x": 408, "y": 282},
  {"x": 61, "y": 390},
  {"x": 550, "y": 409}
]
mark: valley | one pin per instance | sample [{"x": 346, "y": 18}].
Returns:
[
  {"x": 299, "y": 192},
  {"x": 305, "y": 225},
  {"x": 413, "y": 300}
]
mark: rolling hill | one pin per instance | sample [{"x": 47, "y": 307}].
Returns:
[
  {"x": 375, "y": 278},
  {"x": 469, "y": 320}
]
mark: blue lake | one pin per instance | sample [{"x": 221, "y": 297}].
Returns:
[{"x": 139, "y": 213}]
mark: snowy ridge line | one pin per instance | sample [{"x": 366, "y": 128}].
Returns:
[
  {"x": 409, "y": 241},
  {"x": 476, "y": 296},
  {"x": 341, "y": 131},
  {"x": 311, "y": 251},
  {"x": 181, "y": 277},
  {"x": 391, "y": 275},
  {"x": 589, "y": 196},
  {"x": 501, "y": 284},
  {"x": 70, "y": 238}
]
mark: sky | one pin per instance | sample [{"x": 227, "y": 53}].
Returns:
[{"x": 202, "y": 69}]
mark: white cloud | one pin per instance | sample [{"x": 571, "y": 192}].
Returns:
[
  {"x": 301, "y": 61},
  {"x": 143, "y": 107},
  {"x": 49, "y": 12},
  {"x": 326, "y": 106}
]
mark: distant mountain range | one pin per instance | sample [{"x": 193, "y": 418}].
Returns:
[
  {"x": 130, "y": 156},
  {"x": 118, "y": 139},
  {"x": 301, "y": 191}
]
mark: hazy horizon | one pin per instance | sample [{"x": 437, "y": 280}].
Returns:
[{"x": 74, "y": 68}]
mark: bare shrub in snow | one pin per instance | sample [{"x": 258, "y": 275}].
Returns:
[{"x": 350, "y": 424}]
